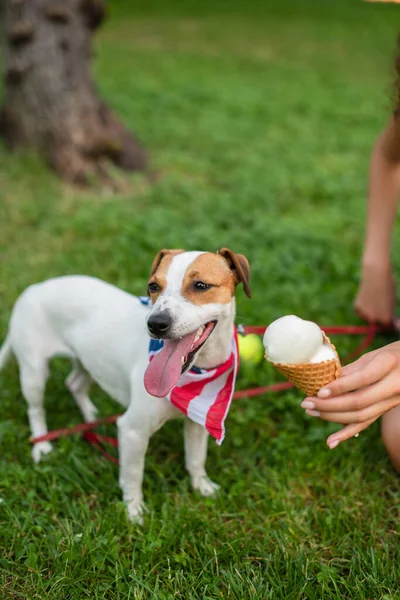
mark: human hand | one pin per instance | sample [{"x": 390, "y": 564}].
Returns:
[
  {"x": 368, "y": 388},
  {"x": 376, "y": 298}
]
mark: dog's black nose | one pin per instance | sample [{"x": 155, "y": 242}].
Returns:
[{"x": 159, "y": 324}]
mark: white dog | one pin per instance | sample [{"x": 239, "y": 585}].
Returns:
[{"x": 106, "y": 331}]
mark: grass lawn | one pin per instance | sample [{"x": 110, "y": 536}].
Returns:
[{"x": 259, "y": 117}]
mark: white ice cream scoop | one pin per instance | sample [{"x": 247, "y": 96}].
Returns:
[
  {"x": 325, "y": 352},
  {"x": 292, "y": 340}
]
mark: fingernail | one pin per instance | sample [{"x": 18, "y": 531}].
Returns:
[
  {"x": 307, "y": 404},
  {"x": 324, "y": 393},
  {"x": 333, "y": 444},
  {"x": 313, "y": 413}
]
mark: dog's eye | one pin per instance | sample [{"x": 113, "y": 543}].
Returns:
[
  {"x": 153, "y": 287},
  {"x": 201, "y": 286}
]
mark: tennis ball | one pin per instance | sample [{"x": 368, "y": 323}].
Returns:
[{"x": 251, "y": 350}]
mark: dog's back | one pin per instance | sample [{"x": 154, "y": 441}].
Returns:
[
  {"x": 100, "y": 328},
  {"x": 81, "y": 318}
]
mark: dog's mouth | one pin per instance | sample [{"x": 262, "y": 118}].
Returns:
[
  {"x": 175, "y": 358},
  {"x": 202, "y": 335}
]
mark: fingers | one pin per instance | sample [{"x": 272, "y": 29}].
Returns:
[
  {"x": 347, "y": 432},
  {"x": 373, "y": 411},
  {"x": 358, "y": 364},
  {"x": 365, "y": 315},
  {"x": 357, "y": 401},
  {"x": 367, "y": 374},
  {"x": 374, "y": 314}
]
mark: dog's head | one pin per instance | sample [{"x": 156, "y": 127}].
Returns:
[{"x": 190, "y": 292}]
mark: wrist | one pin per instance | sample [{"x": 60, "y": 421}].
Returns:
[
  {"x": 379, "y": 262},
  {"x": 377, "y": 248},
  {"x": 376, "y": 268}
]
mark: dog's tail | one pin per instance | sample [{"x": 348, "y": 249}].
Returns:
[{"x": 5, "y": 352}]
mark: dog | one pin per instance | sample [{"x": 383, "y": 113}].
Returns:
[{"x": 105, "y": 332}]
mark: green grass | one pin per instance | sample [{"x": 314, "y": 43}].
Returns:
[{"x": 259, "y": 117}]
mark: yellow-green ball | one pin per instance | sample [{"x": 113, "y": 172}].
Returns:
[{"x": 251, "y": 350}]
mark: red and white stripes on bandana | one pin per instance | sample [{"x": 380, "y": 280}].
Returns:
[{"x": 205, "y": 395}]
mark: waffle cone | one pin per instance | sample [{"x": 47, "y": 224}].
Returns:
[{"x": 311, "y": 377}]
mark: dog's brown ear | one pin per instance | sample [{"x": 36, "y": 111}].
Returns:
[
  {"x": 240, "y": 267},
  {"x": 160, "y": 256}
]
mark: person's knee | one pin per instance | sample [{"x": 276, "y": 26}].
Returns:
[{"x": 391, "y": 435}]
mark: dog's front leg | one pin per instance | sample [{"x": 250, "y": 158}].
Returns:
[
  {"x": 196, "y": 440},
  {"x": 132, "y": 442}
]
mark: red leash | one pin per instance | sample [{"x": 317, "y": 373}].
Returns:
[{"x": 98, "y": 440}]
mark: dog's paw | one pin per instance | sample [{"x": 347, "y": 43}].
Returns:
[
  {"x": 40, "y": 450},
  {"x": 205, "y": 486},
  {"x": 136, "y": 511}
]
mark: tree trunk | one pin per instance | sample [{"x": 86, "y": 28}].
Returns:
[{"x": 50, "y": 101}]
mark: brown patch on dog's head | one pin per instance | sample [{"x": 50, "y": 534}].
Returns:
[
  {"x": 158, "y": 272},
  {"x": 210, "y": 279},
  {"x": 160, "y": 256}
]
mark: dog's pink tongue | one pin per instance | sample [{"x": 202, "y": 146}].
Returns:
[{"x": 164, "y": 370}]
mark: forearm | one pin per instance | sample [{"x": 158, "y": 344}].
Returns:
[{"x": 384, "y": 192}]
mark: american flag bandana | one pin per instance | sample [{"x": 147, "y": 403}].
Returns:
[{"x": 204, "y": 395}]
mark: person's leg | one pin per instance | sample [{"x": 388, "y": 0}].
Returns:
[{"x": 391, "y": 435}]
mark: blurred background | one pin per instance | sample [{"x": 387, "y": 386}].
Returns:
[{"x": 254, "y": 122}]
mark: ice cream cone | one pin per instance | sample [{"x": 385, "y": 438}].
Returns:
[{"x": 311, "y": 377}]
